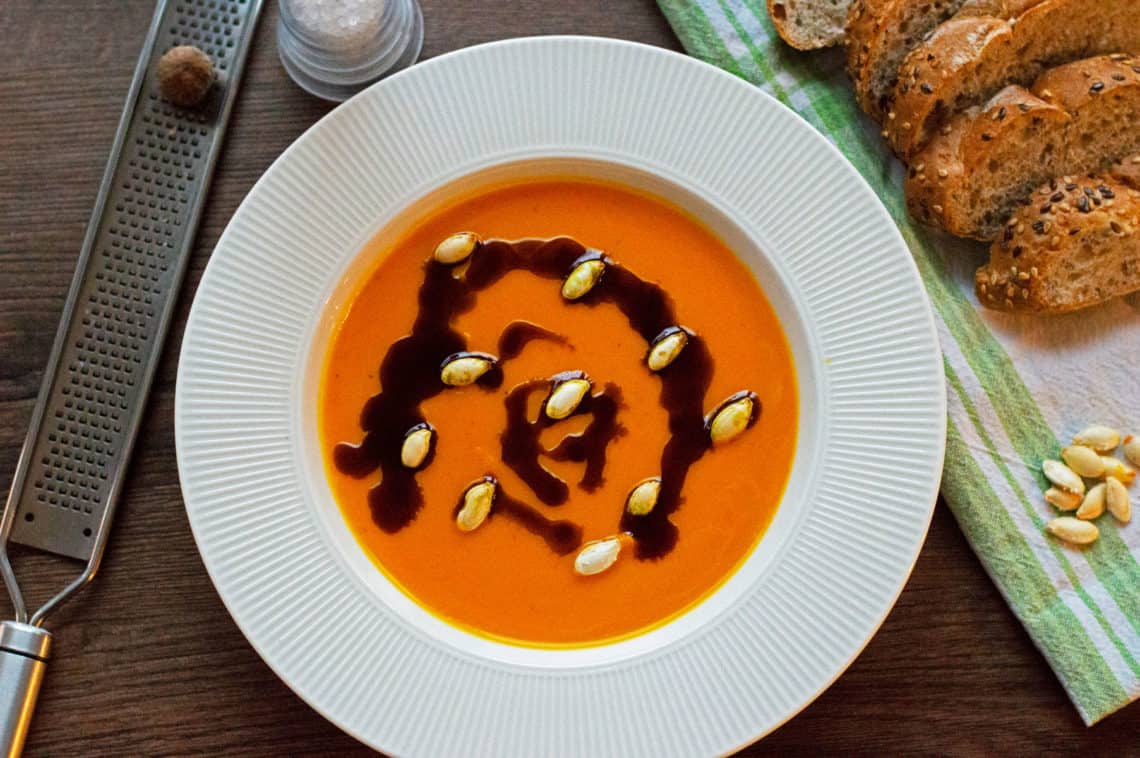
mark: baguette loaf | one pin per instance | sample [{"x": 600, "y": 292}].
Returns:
[
  {"x": 879, "y": 35},
  {"x": 809, "y": 24},
  {"x": 970, "y": 57},
  {"x": 1078, "y": 118},
  {"x": 1083, "y": 250}
]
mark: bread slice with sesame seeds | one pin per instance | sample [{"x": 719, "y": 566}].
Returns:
[
  {"x": 879, "y": 35},
  {"x": 1083, "y": 251},
  {"x": 970, "y": 57},
  {"x": 809, "y": 24},
  {"x": 1077, "y": 118}
]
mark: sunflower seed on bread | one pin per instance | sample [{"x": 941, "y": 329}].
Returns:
[
  {"x": 1066, "y": 258},
  {"x": 809, "y": 24},
  {"x": 969, "y": 58},
  {"x": 879, "y": 35},
  {"x": 1077, "y": 118}
]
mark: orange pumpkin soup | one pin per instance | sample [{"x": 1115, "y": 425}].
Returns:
[{"x": 526, "y": 371}]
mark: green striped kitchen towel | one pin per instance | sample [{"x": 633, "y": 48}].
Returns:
[{"x": 1016, "y": 385}]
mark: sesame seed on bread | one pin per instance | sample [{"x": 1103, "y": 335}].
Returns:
[
  {"x": 879, "y": 35},
  {"x": 809, "y": 24},
  {"x": 1083, "y": 250},
  {"x": 1076, "y": 118},
  {"x": 971, "y": 56}
]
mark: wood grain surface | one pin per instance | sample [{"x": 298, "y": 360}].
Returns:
[{"x": 148, "y": 661}]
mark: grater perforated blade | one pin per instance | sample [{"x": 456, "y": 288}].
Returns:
[{"x": 87, "y": 415}]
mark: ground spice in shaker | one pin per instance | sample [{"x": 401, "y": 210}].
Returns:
[
  {"x": 334, "y": 48},
  {"x": 341, "y": 25}
]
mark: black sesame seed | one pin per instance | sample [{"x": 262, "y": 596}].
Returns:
[
  {"x": 1070, "y": 186},
  {"x": 1039, "y": 227},
  {"x": 1083, "y": 204},
  {"x": 1089, "y": 191},
  {"x": 1016, "y": 251},
  {"x": 1008, "y": 234},
  {"x": 1023, "y": 107},
  {"x": 1097, "y": 87},
  {"x": 986, "y": 136},
  {"x": 1097, "y": 201},
  {"x": 927, "y": 88},
  {"x": 1118, "y": 77},
  {"x": 1074, "y": 232},
  {"x": 1057, "y": 197},
  {"x": 1001, "y": 113},
  {"x": 1106, "y": 193},
  {"x": 1046, "y": 208}
]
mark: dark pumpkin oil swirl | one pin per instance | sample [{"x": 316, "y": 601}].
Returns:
[
  {"x": 562, "y": 537},
  {"x": 518, "y": 334},
  {"x": 409, "y": 375},
  {"x": 522, "y": 449}
]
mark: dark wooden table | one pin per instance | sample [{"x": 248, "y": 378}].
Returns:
[{"x": 148, "y": 661}]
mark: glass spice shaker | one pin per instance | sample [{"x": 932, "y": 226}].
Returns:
[{"x": 335, "y": 48}]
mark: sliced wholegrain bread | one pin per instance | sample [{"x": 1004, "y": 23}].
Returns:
[
  {"x": 879, "y": 35},
  {"x": 809, "y": 24},
  {"x": 1084, "y": 250},
  {"x": 973, "y": 55},
  {"x": 1076, "y": 119}
]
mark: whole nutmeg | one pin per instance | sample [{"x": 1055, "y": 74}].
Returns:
[{"x": 185, "y": 75}]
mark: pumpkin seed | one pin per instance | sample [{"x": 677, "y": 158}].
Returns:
[
  {"x": 1083, "y": 460},
  {"x": 417, "y": 445},
  {"x": 597, "y": 556},
  {"x": 1132, "y": 449},
  {"x": 1063, "y": 476},
  {"x": 666, "y": 347},
  {"x": 582, "y": 278},
  {"x": 1119, "y": 469},
  {"x": 462, "y": 369},
  {"x": 457, "y": 248},
  {"x": 565, "y": 398},
  {"x": 477, "y": 502},
  {"x": 1062, "y": 500},
  {"x": 1093, "y": 504},
  {"x": 1118, "y": 503},
  {"x": 1073, "y": 530},
  {"x": 732, "y": 417},
  {"x": 643, "y": 497},
  {"x": 1102, "y": 439}
]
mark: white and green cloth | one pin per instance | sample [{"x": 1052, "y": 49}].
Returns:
[{"x": 1017, "y": 385}]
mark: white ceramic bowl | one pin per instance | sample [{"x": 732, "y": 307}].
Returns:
[{"x": 872, "y": 407}]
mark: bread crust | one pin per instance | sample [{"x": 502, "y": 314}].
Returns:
[
  {"x": 967, "y": 177},
  {"x": 1082, "y": 250},
  {"x": 971, "y": 56},
  {"x": 795, "y": 34}
]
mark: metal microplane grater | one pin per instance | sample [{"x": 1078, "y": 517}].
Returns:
[{"x": 110, "y": 338}]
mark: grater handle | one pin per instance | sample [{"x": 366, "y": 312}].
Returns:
[{"x": 24, "y": 650}]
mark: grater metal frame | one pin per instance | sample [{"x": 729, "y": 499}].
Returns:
[{"x": 119, "y": 307}]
